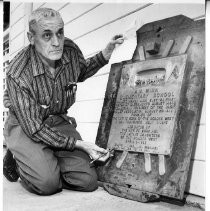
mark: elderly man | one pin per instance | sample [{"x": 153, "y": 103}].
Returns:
[{"x": 49, "y": 154}]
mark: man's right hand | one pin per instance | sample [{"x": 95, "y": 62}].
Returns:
[{"x": 93, "y": 150}]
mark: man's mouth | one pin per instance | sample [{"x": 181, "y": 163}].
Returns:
[{"x": 56, "y": 51}]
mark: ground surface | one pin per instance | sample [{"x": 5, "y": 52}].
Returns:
[{"x": 16, "y": 198}]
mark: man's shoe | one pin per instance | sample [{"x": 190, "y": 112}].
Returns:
[{"x": 10, "y": 167}]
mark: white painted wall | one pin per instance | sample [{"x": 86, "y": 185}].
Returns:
[{"x": 91, "y": 26}]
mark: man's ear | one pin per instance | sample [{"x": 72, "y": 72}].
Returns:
[{"x": 30, "y": 37}]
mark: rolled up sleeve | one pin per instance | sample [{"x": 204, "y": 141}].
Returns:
[
  {"x": 28, "y": 113},
  {"x": 90, "y": 66}
]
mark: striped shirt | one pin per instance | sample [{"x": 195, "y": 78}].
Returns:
[{"x": 34, "y": 93}]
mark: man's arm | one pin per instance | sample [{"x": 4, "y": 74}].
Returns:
[
  {"x": 93, "y": 150},
  {"x": 91, "y": 65},
  {"x": 6, "y": 100},
  {"x": 28, "y": 113}
]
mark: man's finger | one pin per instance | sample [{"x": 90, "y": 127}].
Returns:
[
  {"x": 101, "y": 150},
  {"x": 117, "y": 36},
  {"x": 118, "y": 41},
  {"x": 104, "y": 158}
]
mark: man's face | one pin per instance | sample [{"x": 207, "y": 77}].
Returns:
[{"x": 49, "y": 38}]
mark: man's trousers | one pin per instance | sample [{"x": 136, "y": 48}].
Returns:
[{"x": 44, "y": 170}]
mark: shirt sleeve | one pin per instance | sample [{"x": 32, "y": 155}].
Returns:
[
  {"x": 6, "y": 100},
  {"x": 90, "y": 66},
  {"x": 28, "y": 113}
]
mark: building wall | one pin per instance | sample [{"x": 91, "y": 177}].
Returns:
[
  {"x": 91, "y": 26},
  {"x": 5, "y": 65}
]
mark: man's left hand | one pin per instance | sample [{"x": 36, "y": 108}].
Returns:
[{"x": 107, "y": 52}]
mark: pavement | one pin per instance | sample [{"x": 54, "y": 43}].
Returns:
[{"x": 17, "y": 198}]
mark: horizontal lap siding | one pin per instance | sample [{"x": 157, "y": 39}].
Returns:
[
  {"x": 15, "y": 6},
  {"x": 196, "y": 178},
  {"x": 37, "y": 5},
  {"x": 17, "y": 15},
  {"x": 199, "y": 145},
  {"x": 87, "y": 111},
  {"x": 16, "y": 45},
  {"x": 82, "y": 23},
  {"x": 17, "y": 28},
  {"x": 75, "y": 11},
  {"x": 88, "y": 131},
  {"x": 55, "y": 6},
  {"x": 96, "y": 40},
  {"x": 97, "y": 17},
  {"x": 92, "y": 88}
]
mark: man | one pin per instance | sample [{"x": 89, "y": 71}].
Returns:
[{"x": 41, "y": 80}]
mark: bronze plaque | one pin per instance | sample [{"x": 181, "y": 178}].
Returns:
[
  {"x": 156, "y": 104},
  {"x": 147, "y": 105}
]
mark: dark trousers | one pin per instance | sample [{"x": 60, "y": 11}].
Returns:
[{"x": 44, "y": 170}]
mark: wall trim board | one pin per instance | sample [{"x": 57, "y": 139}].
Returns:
[
  {"x": 16, "y": 8},
  {"x": 88, "y": 122},
  {"x": 63, "y": 6},
  {"x": 98, "y": 99},
  {"x": 114, "y": 20},
  {"x": 100, "y": 74},
  {"x": 91, "y": 54},
  {"x": 199, "y": 17},
  {"x": 17, "y": 21},
  {"x": 14, "y": 53},
  {"x": 195, "y": 183},
  {"x": 40, "y": 5},
  {"x": 87, "y": 11},
  {"x": 17, "y": 35},
  {"x": 192, "y": 159}
]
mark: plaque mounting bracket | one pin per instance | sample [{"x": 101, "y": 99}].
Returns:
[
  {"x": 147, "y": 156},
  {"x": 162, "y": 165},
  {"x": 121, "y": 160}
]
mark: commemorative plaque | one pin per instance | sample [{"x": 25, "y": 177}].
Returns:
[
  {"x": 151, "y": 111},
  {"x": 147, "y": 106}
]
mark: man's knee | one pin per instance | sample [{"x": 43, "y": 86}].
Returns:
[
  {"x": 49, "y": 185},
  {"x": 81, "y": 181},
  {"x": 89, "y": 182},
  {"x": 42, "y": 185}
]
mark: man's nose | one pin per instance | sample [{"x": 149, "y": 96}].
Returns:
[{"x": 55, "y": 41}]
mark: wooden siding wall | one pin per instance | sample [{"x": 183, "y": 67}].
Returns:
[{"x": 91, "y": 25}]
